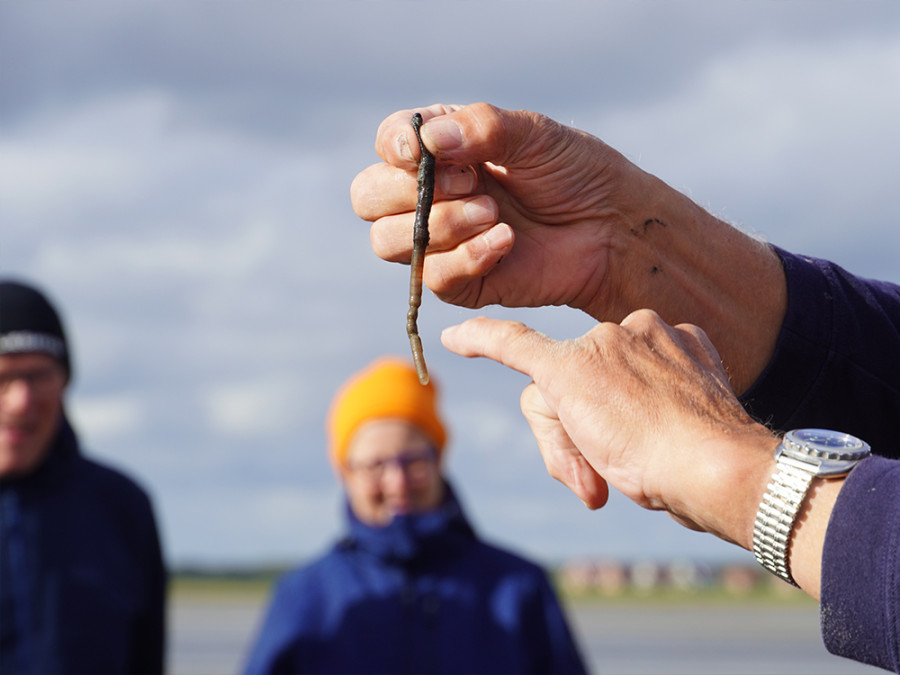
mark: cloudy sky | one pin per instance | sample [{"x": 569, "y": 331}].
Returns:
[{"x": 176, "y": 176}]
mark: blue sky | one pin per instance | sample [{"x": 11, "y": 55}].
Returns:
[{"x": 176, "y": 176}]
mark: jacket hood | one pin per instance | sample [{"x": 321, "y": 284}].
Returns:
[{"x": 413, "y": 539}]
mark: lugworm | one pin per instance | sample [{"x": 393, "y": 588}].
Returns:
[{"x": 420, "y": 243}]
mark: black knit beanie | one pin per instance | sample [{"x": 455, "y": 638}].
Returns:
[{"x": 28, "y": 323}]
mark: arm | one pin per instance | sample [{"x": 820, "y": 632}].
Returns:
[
  {"x": 835, "y": 363},
  {"x": 647, "y": 408},
  {"x": 644, "y": 406},
  {"x": 150, "y": 630},
  {"x": 574, "y": 223},
  {"x": 860, "y": 609}
]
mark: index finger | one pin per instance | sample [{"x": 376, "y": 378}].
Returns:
[{"x": 510, "y": 343}]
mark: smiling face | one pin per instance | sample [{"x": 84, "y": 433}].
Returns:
[
  {"x": 31, "y": 390},
  {"x": 391, "y": 469}
]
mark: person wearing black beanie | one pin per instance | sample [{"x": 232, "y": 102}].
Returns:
[
  {"x": 35, "y": 352},
  {"x": 82, "y": 581}
]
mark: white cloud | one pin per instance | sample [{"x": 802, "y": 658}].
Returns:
[
  {"x": 107, "y": 419},
  {"x": 45, "y": 177},
  {"x": 256, "y": 408},
  {"x": 789, "y": 138},
  {"x": 280, "y": 523},
  {"x": 768, "y": 102}
]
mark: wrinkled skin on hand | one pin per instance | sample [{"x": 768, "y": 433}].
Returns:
[
  {"x": 520, "y": 178},
  {"x": 529, "y": 212},
  {"x": 642, "y": 406}
]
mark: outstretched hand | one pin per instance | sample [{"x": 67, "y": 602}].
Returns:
[{"x": 642, "y": 406}]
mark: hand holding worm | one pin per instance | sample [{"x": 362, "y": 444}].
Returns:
[{"x": 575, "y": 223}]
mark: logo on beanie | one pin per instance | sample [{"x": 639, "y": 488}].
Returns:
[{"x": 25, "y": 341}]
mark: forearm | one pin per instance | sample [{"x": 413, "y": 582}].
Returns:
[
  {"x": 731, "y": 483},
  {"x": 809, "y": 534},
  {"x": 691, "y": 267}
]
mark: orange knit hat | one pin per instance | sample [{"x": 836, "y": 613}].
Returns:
[{"x": 386, "y": 388}]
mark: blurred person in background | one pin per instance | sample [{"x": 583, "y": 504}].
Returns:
[
  {"x": 82, "y": 582},
  {"x": 410, "y": 588}
]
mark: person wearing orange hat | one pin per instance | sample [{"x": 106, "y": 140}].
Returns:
[{"x": 410, "y": 588}]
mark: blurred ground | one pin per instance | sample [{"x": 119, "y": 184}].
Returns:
[{"x": 212, "y": 625}]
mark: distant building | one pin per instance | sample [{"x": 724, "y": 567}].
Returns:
[
  {"x": 577, "y": 576},
  {"x": 604, "y": 577},
  {"x": 611, "y": 577},
  {"x": 646, "y": 576},
  {"x": 738, "y": 579},
  {"x": 688, "y": 575}
]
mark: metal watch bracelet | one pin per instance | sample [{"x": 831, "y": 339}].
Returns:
[{"x": 777, "y": 514}]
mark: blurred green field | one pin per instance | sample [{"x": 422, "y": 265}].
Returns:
[
  {"x": 248, "y": 586},
  {"x": 257, "y": 584}
]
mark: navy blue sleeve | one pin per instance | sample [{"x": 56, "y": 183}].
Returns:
[
  {"x": 837, "y": 359},
  {"x": 118, "y": 529},
  {"x": 150, "y": 631},
  {"x": 860, "y": 610}
]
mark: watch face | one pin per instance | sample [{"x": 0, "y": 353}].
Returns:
[
  {"x": 825, "y": 438},
  {"x": 833, "y": 453}
]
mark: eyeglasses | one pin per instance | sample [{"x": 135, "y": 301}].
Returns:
[
  {"x": 40, "y": 381},
  {"x": 415, "y": 465}
]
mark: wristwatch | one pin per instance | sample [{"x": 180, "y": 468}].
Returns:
[{"x": 802, "y": 455}]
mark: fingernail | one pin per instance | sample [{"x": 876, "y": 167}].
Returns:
[
  {"x": 458, "y": 180},
  {"x": 498, "y": 238},
  {"x": 404, "y": 149},
  {"x": 444, "y": 134},
  {"x": 448, "y": 331},
  {"x": 480, "y": 210}
]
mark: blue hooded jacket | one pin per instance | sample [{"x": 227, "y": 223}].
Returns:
[
  {"x": 422, "y": 595},
  {"x": 82, "y": 584}
]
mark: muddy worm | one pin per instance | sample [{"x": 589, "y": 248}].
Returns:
[{"x": 420, "y": 243}]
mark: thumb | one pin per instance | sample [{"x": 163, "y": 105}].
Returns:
[
  {"x": 481, "y": 132},
  {"x": 563, "y": 460},
  {"x": 517, "y": 346}
]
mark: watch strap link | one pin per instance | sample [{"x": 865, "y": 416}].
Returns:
[{"x": 776, "y": 515}]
